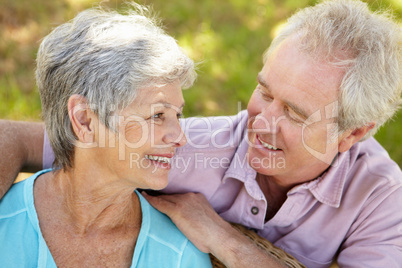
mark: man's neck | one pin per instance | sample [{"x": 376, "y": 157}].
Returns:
[{"x": 274, "y": 193}]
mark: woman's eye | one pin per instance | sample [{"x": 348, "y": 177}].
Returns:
[{"x": 157, "y": 116}]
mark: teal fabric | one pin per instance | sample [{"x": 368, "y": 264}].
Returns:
[{"x": 159, "y": 244}]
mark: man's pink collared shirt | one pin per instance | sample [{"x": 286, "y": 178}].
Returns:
[{"x": 351, "y": 213}]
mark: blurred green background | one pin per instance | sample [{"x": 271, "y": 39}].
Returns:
[{"x": 227, "y": 36}]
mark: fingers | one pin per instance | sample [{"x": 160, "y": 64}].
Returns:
[
  {"x": 176, "y": 198},
  {"x": 193, "y": 215},
  {"x": 177, "y": 205},
  {"x": 160, "y": 203}
]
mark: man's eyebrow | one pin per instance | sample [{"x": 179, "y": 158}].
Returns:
[
  {"x": 292, "y": 106},
  {"x": 261, "y": 81},
  {"x": 297, "y": 110}
]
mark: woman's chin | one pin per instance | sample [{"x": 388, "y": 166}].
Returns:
[{"x": 156, "y": 182}]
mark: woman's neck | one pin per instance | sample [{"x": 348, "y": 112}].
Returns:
[{"x": 91, "y": 202}]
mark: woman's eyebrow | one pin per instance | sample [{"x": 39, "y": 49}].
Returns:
[{"x": 167, "y": 104}]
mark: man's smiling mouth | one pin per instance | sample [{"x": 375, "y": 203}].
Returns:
[{"x": 267, "y": 145}]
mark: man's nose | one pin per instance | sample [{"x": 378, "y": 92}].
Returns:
[{"x": 268, "y": 119}]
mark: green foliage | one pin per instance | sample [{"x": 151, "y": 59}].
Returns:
[{"x": 226, "y": 37}]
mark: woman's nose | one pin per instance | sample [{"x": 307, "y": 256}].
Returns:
[{"x": 176, "y": 136}]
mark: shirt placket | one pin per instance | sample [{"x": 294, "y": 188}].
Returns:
[{"x": 257, "y": 205}]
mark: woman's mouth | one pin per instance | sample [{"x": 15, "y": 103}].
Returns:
[{"x": 161, "y": 159}]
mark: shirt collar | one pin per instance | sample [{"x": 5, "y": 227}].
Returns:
[
  {"x": 239, "y": 168},
  {"x": 328, "y": 188}
]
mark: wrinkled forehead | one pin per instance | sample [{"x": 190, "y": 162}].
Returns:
[
  {"x": 156, "y": 96},
  {"x": 298, "y": 77}
]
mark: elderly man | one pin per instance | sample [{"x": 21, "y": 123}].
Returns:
[{"x": 300, "y": 166}]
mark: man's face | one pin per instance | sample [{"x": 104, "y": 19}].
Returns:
[{"x": 292, "y": 112}]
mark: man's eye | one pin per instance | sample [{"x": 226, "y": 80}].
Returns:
[
  {"x": 179, "y": 115},
  {"x": 265, "y": 96},
  {"x": 294, "y": 116}
]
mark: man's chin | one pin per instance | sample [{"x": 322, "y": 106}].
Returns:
[{"x": 266, "y": 165}]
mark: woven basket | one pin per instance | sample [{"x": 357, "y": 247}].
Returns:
[{"x": 265, "y": 245}]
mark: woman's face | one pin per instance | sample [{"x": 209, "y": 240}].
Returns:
[{"x": 148, "y": 134}]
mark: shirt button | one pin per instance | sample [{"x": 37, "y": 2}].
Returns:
[{"x": 254, "y": 210}]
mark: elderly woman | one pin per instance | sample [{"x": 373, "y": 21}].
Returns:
[{"x": 110, "y": 86}]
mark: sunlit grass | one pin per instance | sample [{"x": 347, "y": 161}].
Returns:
[{"x": 227, "y": 38}]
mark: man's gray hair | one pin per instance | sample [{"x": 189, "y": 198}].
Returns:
[
  {"x": 371, "y": 88},
  {"x": 106, "y": 57}
]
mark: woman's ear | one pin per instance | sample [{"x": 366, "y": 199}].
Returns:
[
  {"x": 354, "y": 136},
  {"x": 82, "y": 118}
]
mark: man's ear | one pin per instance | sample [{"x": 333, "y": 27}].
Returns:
[
  {"x": 351, "y": 137},
  {"x": 81, "y": 118}
]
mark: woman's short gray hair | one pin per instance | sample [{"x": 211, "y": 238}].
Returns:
[
  {"x": 106, "y": 57},
  {"x": 371, "y": 88}
]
